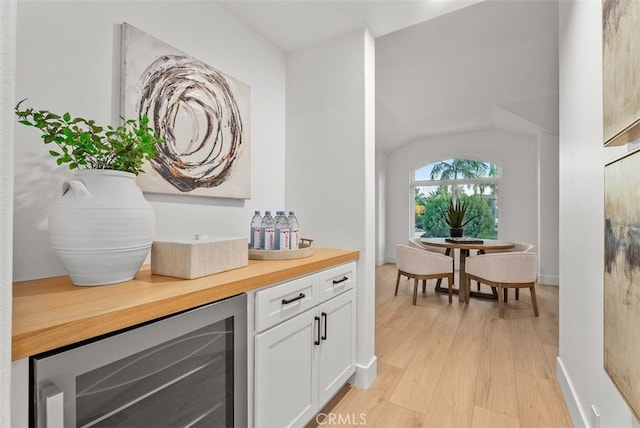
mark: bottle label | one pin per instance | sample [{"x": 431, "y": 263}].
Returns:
[
  {"x": 255, "y": 238},
  {"x": 283, "y": 239},
  {"x": 294, "y": 239},
  {"x": 269, "y": 239}
]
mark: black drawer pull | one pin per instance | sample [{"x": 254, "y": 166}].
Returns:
[
  {"x": 317, "y": 322},
  {"x": 338, "y": 281},
  {"x": 324, "y": 317},
  {"x": 293, "y": 299}
]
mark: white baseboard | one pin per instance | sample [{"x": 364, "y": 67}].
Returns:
[
  {"x": 573, "y": 402},
  {"x": 549, "y": 280},
  {"x": 365, "y": 375}
]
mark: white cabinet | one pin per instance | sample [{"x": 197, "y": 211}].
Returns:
[
  {"x": 20, "y": 393},
  {"x": 337, "y": 345},
  {"x": 301, "y": 362},
  {"x": 286, "y": 375}
]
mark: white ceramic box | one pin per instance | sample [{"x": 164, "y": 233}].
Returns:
[{"x": 193, "y": 258}]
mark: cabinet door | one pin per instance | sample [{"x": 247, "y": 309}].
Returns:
[
  {"x": 286, "y": 389},
  {"x": 336, "y": 359}
]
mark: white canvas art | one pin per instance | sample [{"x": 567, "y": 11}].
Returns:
[{"x": 201, "y": 113}]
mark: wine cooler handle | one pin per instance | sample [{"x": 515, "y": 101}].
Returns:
[
  {"x": 53, "y": 399},
  {"x": 324, "y": 318},
  {"x": 317, "y": 321}
]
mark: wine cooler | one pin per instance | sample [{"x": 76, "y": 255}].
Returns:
[{"x": 185, "y": 370}]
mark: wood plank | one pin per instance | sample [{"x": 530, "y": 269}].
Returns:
[
  {"x": 391, "y": 415},
  {"x": 417, "y": 386},
  {"x": 496, "y": 375},
  {"x": 529, "y": 355},
  {"x": 52, "y": 312},
  {"x": 485, "y": 418},
  {"x": 399, "y": 349},
  {"x": 454, "y": 396},
  {"x": 546, "y": 328},
  {"x": 551, "y": 353},
  {"x": 387, "y": 380},
  {"x": 540, "y": 403}
]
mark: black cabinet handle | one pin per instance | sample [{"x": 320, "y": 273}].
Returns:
[
  {"x": 317, "y": 322},
  {"x": 324, "y": 317},
  {"x": 338, "y": 281},
  {"x": 293, "y": 299}
]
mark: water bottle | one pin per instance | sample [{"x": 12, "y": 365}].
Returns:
[
  {"x": 294, "y": 231},
  {"x": 282, "y": 231},
  {"x": 254, "y": 234},
  {"x": 267, "y": 238}
]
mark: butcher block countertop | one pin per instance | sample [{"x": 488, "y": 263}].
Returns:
[{"x": 52, "y": 312}]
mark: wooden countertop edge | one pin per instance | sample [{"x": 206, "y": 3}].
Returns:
[{"x": 41, "y": 322}]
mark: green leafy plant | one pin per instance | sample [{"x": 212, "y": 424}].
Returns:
[
  {"x": 454, "y": 215},
  {"x": 81, "y": 143}
]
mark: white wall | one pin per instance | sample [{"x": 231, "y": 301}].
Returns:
[
  {"x": 516, "y": 156},
  {"x": 68, "y": 60},
  {"x": 582, "y": 159},
  {"x": 548, "y": 209},
  {"x": 7, "y": 76},
  {"x": 381, "y": 209},
  {"x": 330, "y": 162}
]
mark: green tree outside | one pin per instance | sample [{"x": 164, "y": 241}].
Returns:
[
  {"x": 433, "y": 225},
  {"x": 483, "y": 226}
]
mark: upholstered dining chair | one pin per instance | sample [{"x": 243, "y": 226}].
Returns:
[
  {"x": 417, "y": 243},
  {"x": 514, "y": 269},
  {"x": 422, "y": 265},
  {"x": 518, "y": 247}
]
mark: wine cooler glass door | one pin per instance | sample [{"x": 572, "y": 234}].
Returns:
[{"x": 187, "y": 370}]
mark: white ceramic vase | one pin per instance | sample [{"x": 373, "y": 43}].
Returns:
[{"x": 101, "y": 227}]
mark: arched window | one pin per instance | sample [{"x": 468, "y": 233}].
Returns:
[{"x": 436, "y": 184}]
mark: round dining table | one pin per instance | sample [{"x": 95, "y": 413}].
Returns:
[{"x": 465, "y": 245}]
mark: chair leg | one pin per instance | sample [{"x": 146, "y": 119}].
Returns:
[
  {"x": 517, "y": 294},
  {"x": 500, "y": 302},
  {"x": 505, "y": 292},
  {"x": 397, "y": 283},
  {"x": 450, "y": 281},
  {"x": 424, "y": 285},
  {"x": 534, "y": 300},
  {"x": 479, "y": 252},
  {"x": 467, "y": 293},
  {"x": 415, "y": 290}
]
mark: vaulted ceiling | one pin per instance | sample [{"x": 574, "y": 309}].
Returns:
[{"x": 441, "y": 66}]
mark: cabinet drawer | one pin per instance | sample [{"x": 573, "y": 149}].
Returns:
[
  {"x": 286, "y": 300},
  {"x": 337, "y": 280}
]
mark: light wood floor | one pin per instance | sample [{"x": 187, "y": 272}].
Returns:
[{"x": 457, "y": 365}]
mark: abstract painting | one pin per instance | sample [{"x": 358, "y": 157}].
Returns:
[
  {"x": 621, "y": 71},
  {"x": 201, "y": 113},
  {"x": 622, "y": 277}
]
